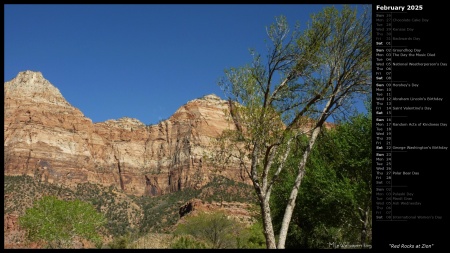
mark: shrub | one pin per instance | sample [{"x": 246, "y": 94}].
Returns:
[
  {"x": 187, "y": 242},
  {"x": 215, "y": 229},
  {"x": 58, "y": 221}
]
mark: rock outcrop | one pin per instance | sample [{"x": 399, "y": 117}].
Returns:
[
  {"x": 53, "y": 141},
  {"x": 48, "y": 138},
  {"x": 14, "y": 235},
  {"x": 235, "y": 210}
]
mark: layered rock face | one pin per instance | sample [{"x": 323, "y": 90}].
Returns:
[
  {"x": 235, "y": 210},
  {"x": 49, "y": 139}
]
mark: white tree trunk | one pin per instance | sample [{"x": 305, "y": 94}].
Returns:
[
  {"x": 291, "y": 202},
  {"x": 267, "y": 223}
]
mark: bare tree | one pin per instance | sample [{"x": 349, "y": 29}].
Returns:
[{"x": 307, "y": 77}]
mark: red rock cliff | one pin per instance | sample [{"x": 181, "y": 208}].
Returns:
[{"x": 47, "y": 138}]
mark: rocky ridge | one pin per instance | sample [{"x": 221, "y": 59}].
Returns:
[{"x": 53, "y": 141}]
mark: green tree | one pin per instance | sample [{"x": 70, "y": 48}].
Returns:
[
  {"x": 251, "y": 237},
  {"x": 355, "y": 139},
  {"x": 187, "y": 242},
  {"x": 334, "y": 205},
  {"x": 59, "y": 222},
  {"x": 214, "y": 230},
  {"x": 308, "y": 76}
]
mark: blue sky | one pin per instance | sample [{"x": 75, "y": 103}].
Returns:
[{"x": 138, "y": 61}]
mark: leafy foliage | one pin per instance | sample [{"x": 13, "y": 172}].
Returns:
[
  {"x": 335, "y": 190},
  {"x": 309, "y": 76},
  {"x": 251, "y": 237},
  {"x": 187, "y": 242},
  {"x": 58, "y": 222},
  {"x": 134, "y": 216},
  {"x": 215, "y": 229}
]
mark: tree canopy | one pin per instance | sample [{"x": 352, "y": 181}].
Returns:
[
  {"x": 307, "y": 76},
  {"x": 217, "y": 231},
  {"x": 334, "y": 206},
  {"x": 59, "y": 222}
]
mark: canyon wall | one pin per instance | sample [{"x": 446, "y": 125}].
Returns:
[{"x": 48, "y": 138}]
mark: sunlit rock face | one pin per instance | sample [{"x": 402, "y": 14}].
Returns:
[{"x": 49, "y": 139}]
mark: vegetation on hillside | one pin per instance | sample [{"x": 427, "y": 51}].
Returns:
[
  {"x": 128, "y": 217},
  {"x": 57, "y": 222},
  {"x": 217, "y": 231}
]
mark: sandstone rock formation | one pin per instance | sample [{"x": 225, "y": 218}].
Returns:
[
  {"x": 46, "y": 137},
  {"x": 235, "y": 210},
  {"x": 14, "y": 236},
  {"x": 49, "y": 139}
]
